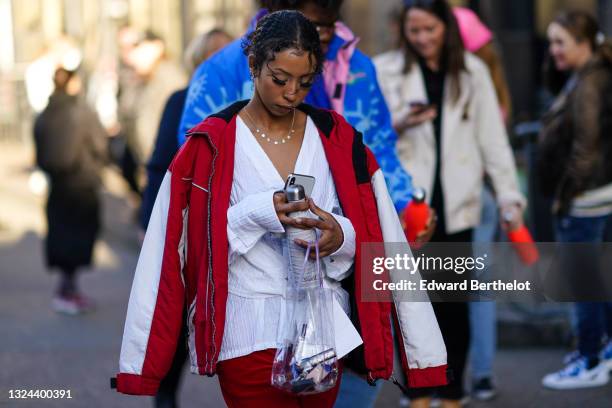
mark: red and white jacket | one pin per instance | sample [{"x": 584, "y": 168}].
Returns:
[{"x": 183, "y": 265}]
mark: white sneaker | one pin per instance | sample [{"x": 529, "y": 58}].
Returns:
[
  {"x": 605, "y": 356},
  {"x": 571, "y": 357},
  {"x": 65, "y": 305},
  {"x": 577, "y": 375},
  {"x": 436, "y": 402},
  {"x": 483, "y": 389},
  {"x": 72, "y": 305}
]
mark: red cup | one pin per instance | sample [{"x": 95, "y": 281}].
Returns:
[
  {"x": 416, "y": 215},
  {"x": 523, "y": 245}
]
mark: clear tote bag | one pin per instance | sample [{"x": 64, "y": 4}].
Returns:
[{"x": 307, "y": 362}]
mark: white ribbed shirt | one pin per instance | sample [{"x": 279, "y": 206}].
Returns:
[{"x": 256, "y": 304}]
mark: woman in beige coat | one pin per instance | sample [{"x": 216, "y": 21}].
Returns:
[{"x": 451, "y": 132}]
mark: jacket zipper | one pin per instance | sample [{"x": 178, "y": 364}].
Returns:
[
  {"x": 209, "y": 281},
  {"x": 209, "y": 278}
]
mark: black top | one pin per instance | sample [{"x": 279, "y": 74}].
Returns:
[
  {"x": 434, "y": 85},
  {"x": 71, "y": 147}
]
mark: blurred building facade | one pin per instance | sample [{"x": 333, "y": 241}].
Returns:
[
  {"x": 31, "y": 28},
  {"x": 93, "y": 22}
]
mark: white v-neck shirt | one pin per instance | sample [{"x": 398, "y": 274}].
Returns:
[{"x": 257, "y": 281}]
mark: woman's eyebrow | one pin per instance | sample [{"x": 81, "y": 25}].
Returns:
[
  {"x": 273, "y": 69},
  {"x": 279, "y": 69}
]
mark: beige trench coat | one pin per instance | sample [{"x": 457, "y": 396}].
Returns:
[{"x": 474, "y": 139}]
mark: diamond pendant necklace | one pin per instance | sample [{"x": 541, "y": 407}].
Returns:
[{"x": 267, "y": 137}]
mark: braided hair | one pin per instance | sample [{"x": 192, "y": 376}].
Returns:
[
  {"x": 274, "y": 5},
  {"x": 279, "y": 31}
]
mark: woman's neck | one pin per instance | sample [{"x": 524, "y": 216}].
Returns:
[
  {"x": 258, "y": 111},
  {"x": 585, "y": 57},
  {"x": 433, "y": 64}
]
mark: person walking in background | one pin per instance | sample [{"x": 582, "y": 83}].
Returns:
[
  {"x": 478, "y": 39},
  {"x": 161, "y": 77},
  {"x": 71, "y": 148},
  {"x": 146, "y": 78},
  {"x": 575, "y": 168},
  {"x": 444, "y": 107},
  {"x": 166, "y": 143},
  {"x": 166, "y": 146},
  {"x": 129, "y": 85}
]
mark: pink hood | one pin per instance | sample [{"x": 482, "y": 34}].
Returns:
[
  {"x": 473, "y": 32},
  {"x": 336, "y": 71}
]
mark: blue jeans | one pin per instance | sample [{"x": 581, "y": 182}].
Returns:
[
  {"x": 483, "y": 331},
  {"x": 355, "y": 392},
  {"x": 484, "y": 338},
  {"x": 594, "y": 319}
]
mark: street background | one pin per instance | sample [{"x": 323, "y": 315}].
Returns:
[{"x": 40, "y": 349}]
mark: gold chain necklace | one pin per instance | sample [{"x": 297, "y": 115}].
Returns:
[{"x": 266, "y": 137}]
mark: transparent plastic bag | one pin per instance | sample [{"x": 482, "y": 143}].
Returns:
[{"x": 307, "y": 362}]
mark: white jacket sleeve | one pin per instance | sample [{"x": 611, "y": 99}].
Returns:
[{"x": 495, "y": 149}]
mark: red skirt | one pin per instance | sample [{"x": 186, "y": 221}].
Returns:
[{"x": 245, "y": 382}]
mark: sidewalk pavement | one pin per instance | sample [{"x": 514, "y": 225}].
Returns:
[{"x": 42, "y": 350}]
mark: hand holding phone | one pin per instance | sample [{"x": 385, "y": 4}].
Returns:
[
  {"x": 283, "y": 207},
  {"x": 420, "y": 106},
  {"x": 420, "y": 112}
]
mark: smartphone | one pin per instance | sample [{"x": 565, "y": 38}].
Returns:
[{"x": 305, "y": 181}]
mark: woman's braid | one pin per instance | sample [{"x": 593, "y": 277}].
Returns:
[
  {"x": 279, "y": 31},
  {"x": 274, "y": 5}
]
